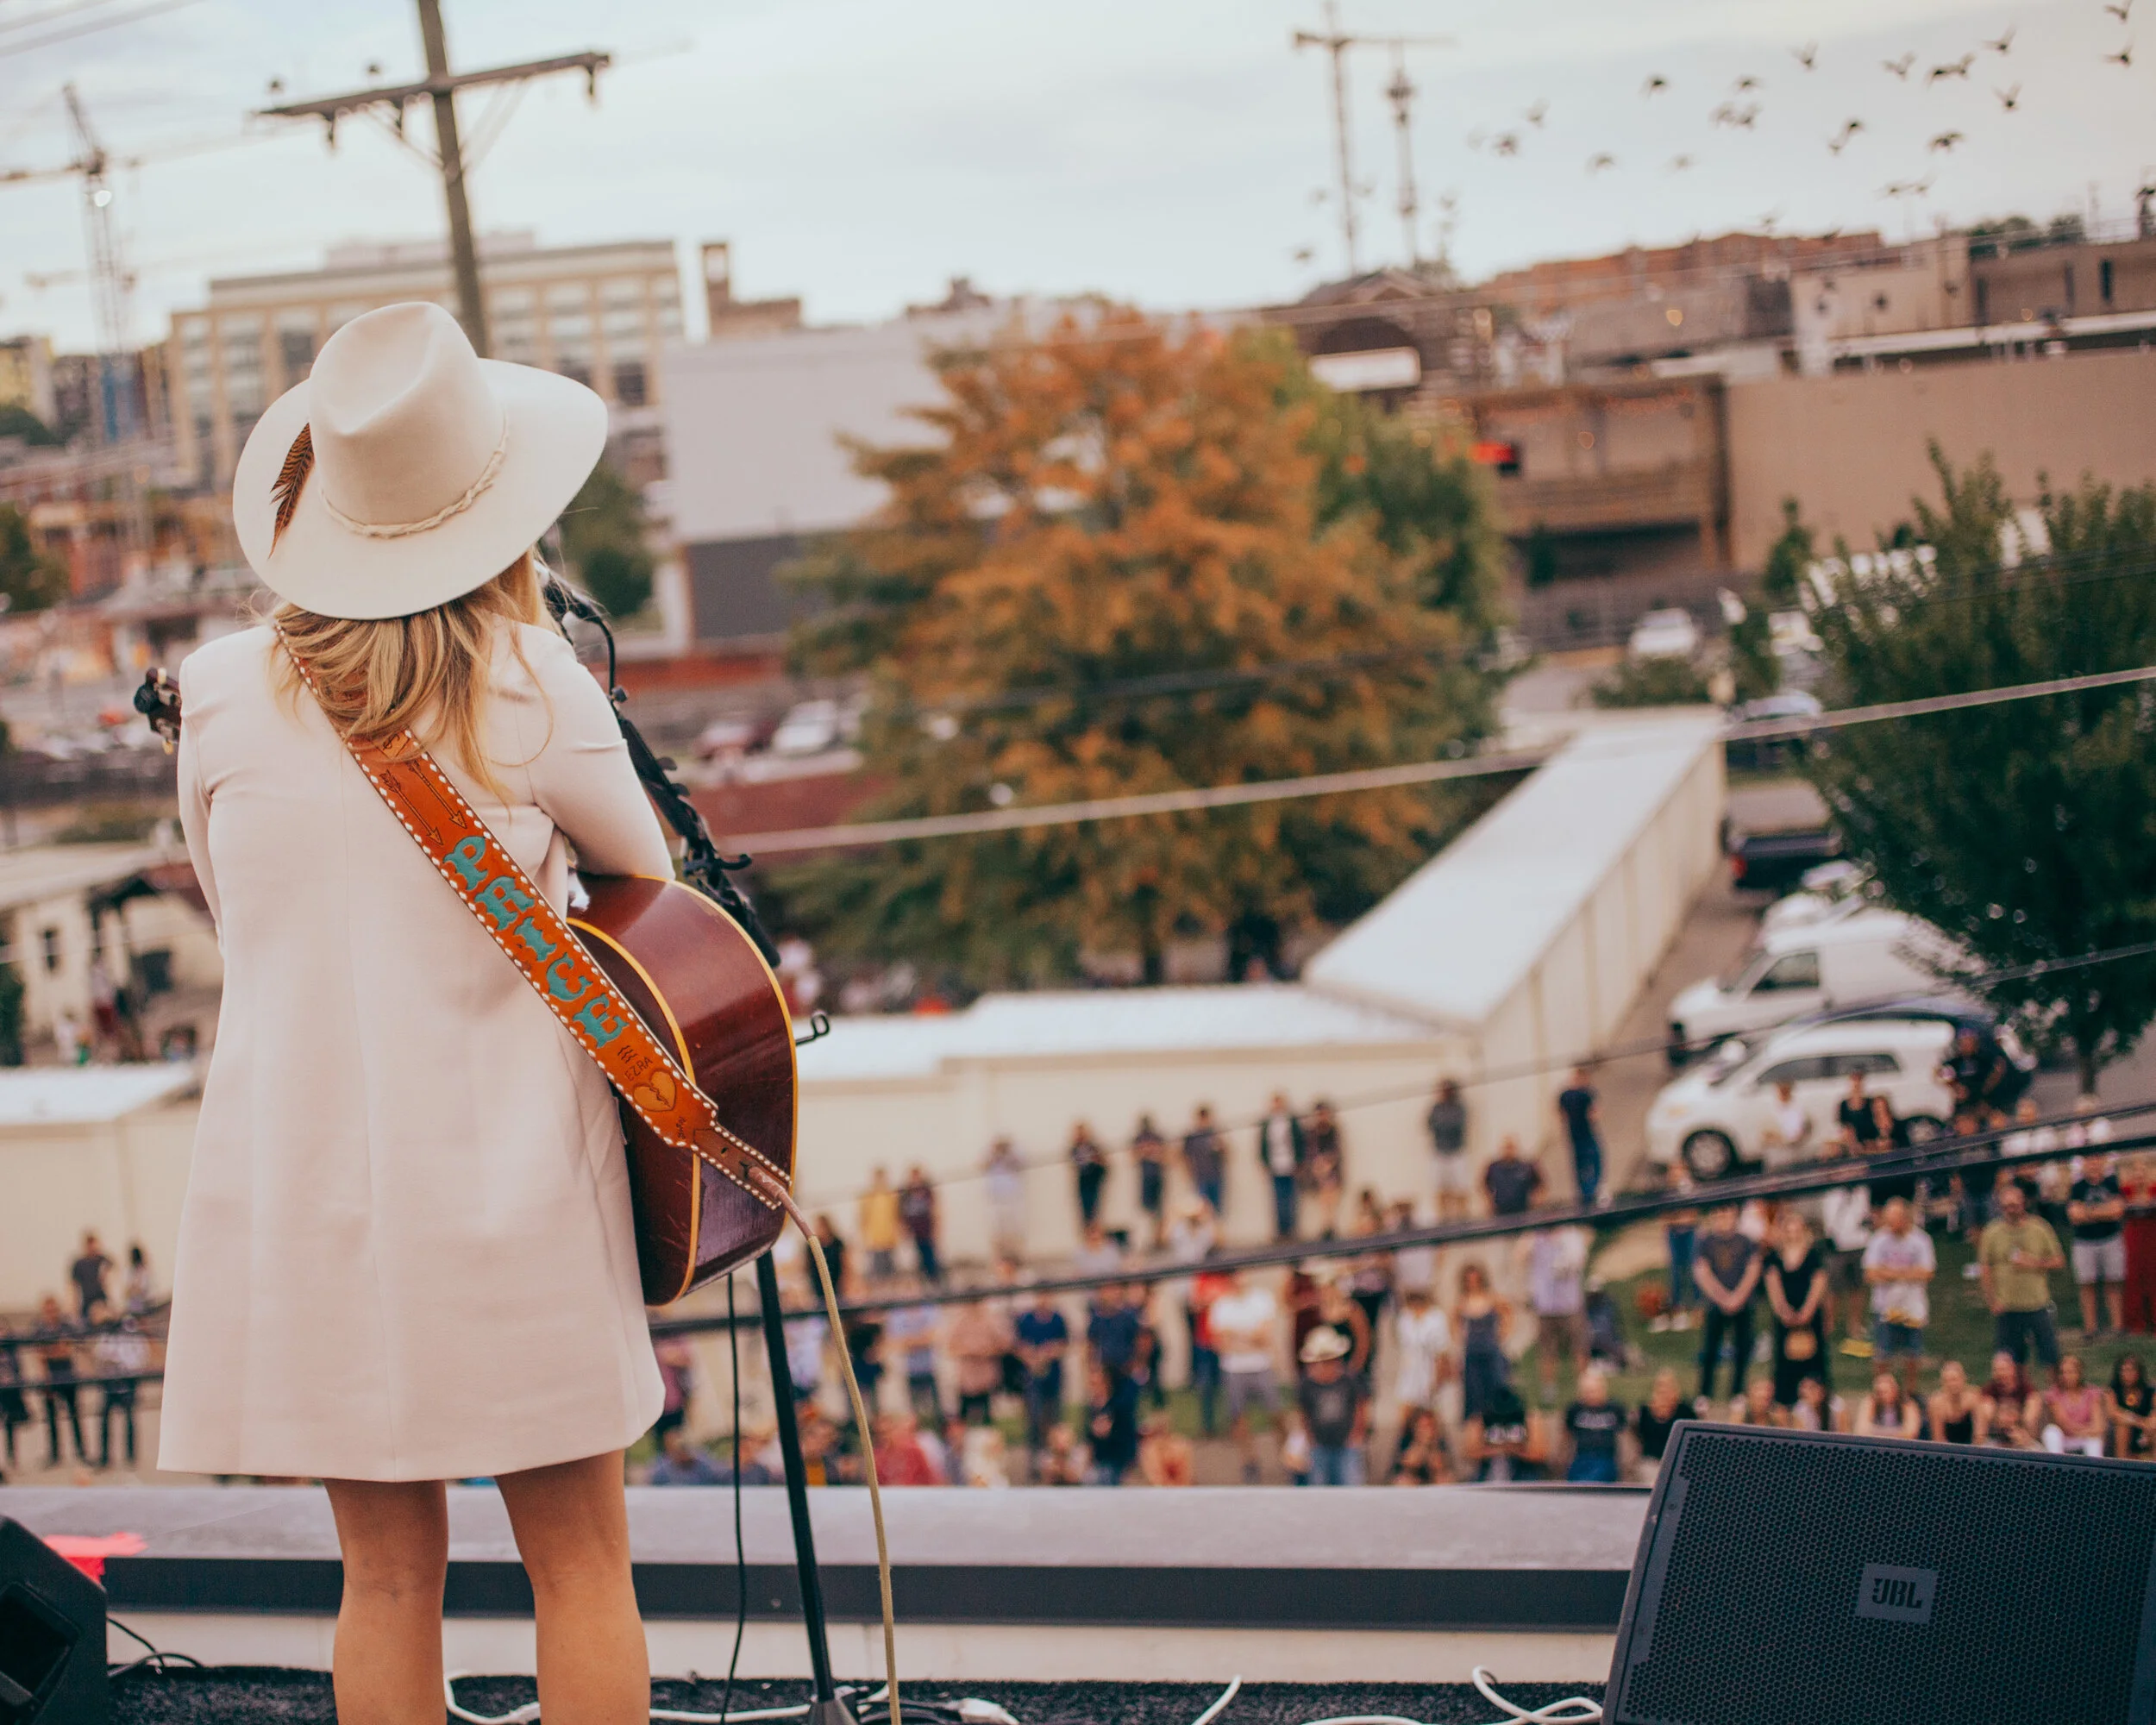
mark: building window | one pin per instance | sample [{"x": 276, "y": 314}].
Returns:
[
  {"x": 624, "y": 326},
  {"x": 629, "y": 382},
  {"x": 2070, "y": 288},
  {"x": 508, "y": 299},
  {"x": 569, "y": 296},
  {"x": 1983, "y": 300},
  {"x": 575, "y": 367},
  {"x": 51, "y": 937},
  {"x": 2104, "y": 281},
  {"x": 622, "y": 290},
  {"x": 570, "y": 326},
  {"x": 295, "y": 348}
]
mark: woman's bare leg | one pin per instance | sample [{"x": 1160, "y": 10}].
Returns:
[
  {"x": 571, "y": 1527},
  {"x": 395, "y": 1537}
]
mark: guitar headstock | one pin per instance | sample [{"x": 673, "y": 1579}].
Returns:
[{"x": 158, "y": 701}]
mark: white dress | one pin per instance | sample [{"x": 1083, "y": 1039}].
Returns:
[{"x": 406, "y": 1250}]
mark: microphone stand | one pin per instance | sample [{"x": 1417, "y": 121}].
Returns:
[{"x": 711, "y": 873}]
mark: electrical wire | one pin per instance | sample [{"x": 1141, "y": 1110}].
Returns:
[
  {"x": 529, "y": 1713},
  {"x": 1213, "y": 1712},
  {"x": 1574, "y": 1709}
]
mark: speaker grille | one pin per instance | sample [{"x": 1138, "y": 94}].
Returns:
[{"x": 2042, "y": 1567}]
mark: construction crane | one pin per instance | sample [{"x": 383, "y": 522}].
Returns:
[
  {"x": 112, "y": 287},
  {"x": 1401, "y": 93}
]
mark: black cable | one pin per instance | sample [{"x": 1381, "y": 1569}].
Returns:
[
  {"x": 741, "y": 1550},
  {"x": 156, "y": 1659}
]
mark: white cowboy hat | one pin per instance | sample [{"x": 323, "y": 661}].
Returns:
[
  {"x": 1324, "y": 1342},
  {"x": 407, "y": 470}
]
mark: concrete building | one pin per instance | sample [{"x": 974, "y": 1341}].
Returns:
[
  {"x": 25, "y": 376},
  {"x": 601, "y": 314},
  {"x": 1519, "y": 947}
]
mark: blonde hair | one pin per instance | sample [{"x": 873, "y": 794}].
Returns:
[{"x": 377, "y": 677}]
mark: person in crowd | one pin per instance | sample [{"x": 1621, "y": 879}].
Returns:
[
  {"x": 1422, "y": 1352},
  {"x": 2017, "y": 1252},
  {"x": 1332, "y": 1408},
  {"x": 1004, "y": 1175},
  {"x": 1845, "y": 1218},
  {"x": 1246, "y": 1321},
  {"x": 1576, "y": 1107},
  {"x": 1369, "y": 1273},
  {"x": 1062, "y": 1460},
  {"x": 2012, "y": 1409},
  {"x": 1205, "y": 1160},
  {"x": 983, "y": 1461},
  {"x": 912, "y": 1330},
  {"x": 864, "y": 1346},
  {"x": 1756, "y": 1406},
  {"x": 1299, "y": 1294},
  {"x": 977, "y": 1343},
  {"x": 677, "y": 1379},
  {"x": 834, "y": 1244},
  {"x": 1422, "y": 1457},
  {"x": 806, "y": 1336},
  {"x": 1110, "y": 1425},
  {"x": 1789, "y": 1127},
  {"x": 1796, "y": 1281},
  {"x": 1144, "y": 1370},
  {"x": 1325, "y": 1167},
  {"x": 56, "y": 1351},
  {"x": 1956, "y": 1412},
  {"x": 1099, "y": 1253},
  {"x": 1866, "y": 1127},
  {"x": 1899, "y": 1264},
  {"x": 1413, "y": 1266},
  {"x": 901, "y": 1457},
  {"x": 2137, "y": 1189},
  {"x": 1606, "y": 1344},
  {"x": 1653, "y": 1420},
  {"x": 916, "y": 1214},
  {"x": 1205, "y": 1287},
  {"x": 134, "y": 1293},
  {"x": 120, "y": 1355},
  {"x": 1817, "y": 1408},
  {"x": 1149, "y": 1150},
  {"x": 680, "y": 1462},
  {"x": 88, "y": 1272},
  {"x": 1042, "y": 1342},
  {"x": 880, "y": 1225},
  {"x": 2131, "y": 1405},
  {"x": 1557, "y": 1264},
  {"x": 2075, "y": 1420},
  {"x": 1111, "y": 1329},
  {"x": 1888, "y": 1409},
  {"x": 1512, "y": 1182},
  {"x": 1680, "y": 1236},
  {"x": 1506, "y": 1441},
  {"x": 1336, "y": 1307},
  {"x": 1165, "y": 1456},
  {"x": 1594, "y": 1424},
  {"x": 1480, "y": 1321},
  {"x": 1727, "y": 1271},
  {"x": 14, "y": 1407},
  {"x": 1089, "y": 1163},
  {"x": 2096, "y": 1211},
  {"x": 1447, "y": 1125},
  {"x": 1282, "y": 1148}
]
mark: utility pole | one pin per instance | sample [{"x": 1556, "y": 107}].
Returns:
[
  {"x": 1337, "y": 42},
  {"x": 387, "y": 104},
  {"x": 1402, "y": 94}
]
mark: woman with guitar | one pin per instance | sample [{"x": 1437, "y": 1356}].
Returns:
[{"x": 412, "y": 1248}]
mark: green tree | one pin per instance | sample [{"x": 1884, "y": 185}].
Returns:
[
  {"x": 17, "y": 421},
  {"x": 603, "y": 537},
  {"x": 1651, "y": 682},
  {"x": 1118, "y": 502},
  {"x": 2026, "y": 831},
  {"x": 1787, "y": 558},
  {"x": 1752, "y": 665},
  {"x": 30, "y": 579}
]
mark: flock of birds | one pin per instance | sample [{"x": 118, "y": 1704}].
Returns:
[{"x": 1740, "y": 111}]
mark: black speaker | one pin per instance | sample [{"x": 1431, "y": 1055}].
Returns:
[
  {"x": 1789, "y": 1578},
  {"x": 52, "y": 1636}
]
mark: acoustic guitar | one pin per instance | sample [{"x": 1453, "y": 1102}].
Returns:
[{"x": 695, "y": 969}]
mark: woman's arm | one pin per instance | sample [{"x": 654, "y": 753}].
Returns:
[
  {"x": 579, "y": 769},
  {"x": 194, "y": 809},
  {"x": 1777, "y": 1299}
]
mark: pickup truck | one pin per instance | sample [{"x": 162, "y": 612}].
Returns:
[{"x": 1776, "y": 861}]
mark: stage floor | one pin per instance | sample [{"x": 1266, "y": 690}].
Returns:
[{"x": 289, "y": 1697}]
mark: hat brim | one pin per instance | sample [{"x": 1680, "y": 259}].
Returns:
[{"x": 555, "y": 432}]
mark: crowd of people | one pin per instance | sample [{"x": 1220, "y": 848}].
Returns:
[{"x": 99, "y": 1344}]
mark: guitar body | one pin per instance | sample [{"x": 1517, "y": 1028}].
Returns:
[{"x": 703, "y": 989}]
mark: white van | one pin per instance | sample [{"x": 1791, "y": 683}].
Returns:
[{"x": 1843, "y": 961}]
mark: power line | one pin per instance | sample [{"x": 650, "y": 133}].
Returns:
[
  {"x": 71, "y": 32},
  {"x": 862, "y": 834}
]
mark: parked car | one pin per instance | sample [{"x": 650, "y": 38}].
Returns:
[
  {"x": 1828, "y": 893},
  {"x": 1775, "y": 862},
  {"x": 1869, "y": 956},
  {"x": 1714, "y": 1119},
  {"x": 1762, "y": 752},
  {"x": 1669, "y": 634},
  {"x": 731, "y": 736},
  {"x": 811, "y": 727}
]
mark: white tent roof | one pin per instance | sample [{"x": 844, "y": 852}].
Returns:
[
  {"x": 1090, "y": 1022},
  {"x": 1454, "y": 939},
  {"x": 59, "y": 871},
  {"x": 87, "y": 1095}
]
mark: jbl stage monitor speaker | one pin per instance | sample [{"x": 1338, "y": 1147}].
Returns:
[
  {"x": 1786, "y": 1579},
  {"x": 52, "y": 1636}
]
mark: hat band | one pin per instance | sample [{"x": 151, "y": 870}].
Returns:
[{"x": 398, "y": 529}]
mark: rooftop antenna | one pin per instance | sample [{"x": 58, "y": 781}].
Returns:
[{"x": 1337, "y": 42}]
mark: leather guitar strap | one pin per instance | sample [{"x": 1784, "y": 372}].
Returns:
[{"x": 505, "y": 902}]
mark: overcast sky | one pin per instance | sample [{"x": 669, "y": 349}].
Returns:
[{"x": 860, "y": 153}]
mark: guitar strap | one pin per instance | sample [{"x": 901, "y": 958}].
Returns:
[{"x": 505, "y": 902}]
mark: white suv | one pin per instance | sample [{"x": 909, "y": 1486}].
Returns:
[{"x": 1716, "y": 1116}]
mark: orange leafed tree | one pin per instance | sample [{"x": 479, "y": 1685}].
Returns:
[{"x": 1116, "y": 501}]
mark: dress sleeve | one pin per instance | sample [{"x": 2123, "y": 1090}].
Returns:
[
  {"x": 194, "y": 809},
  {"x": 582, "y": 776}
]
